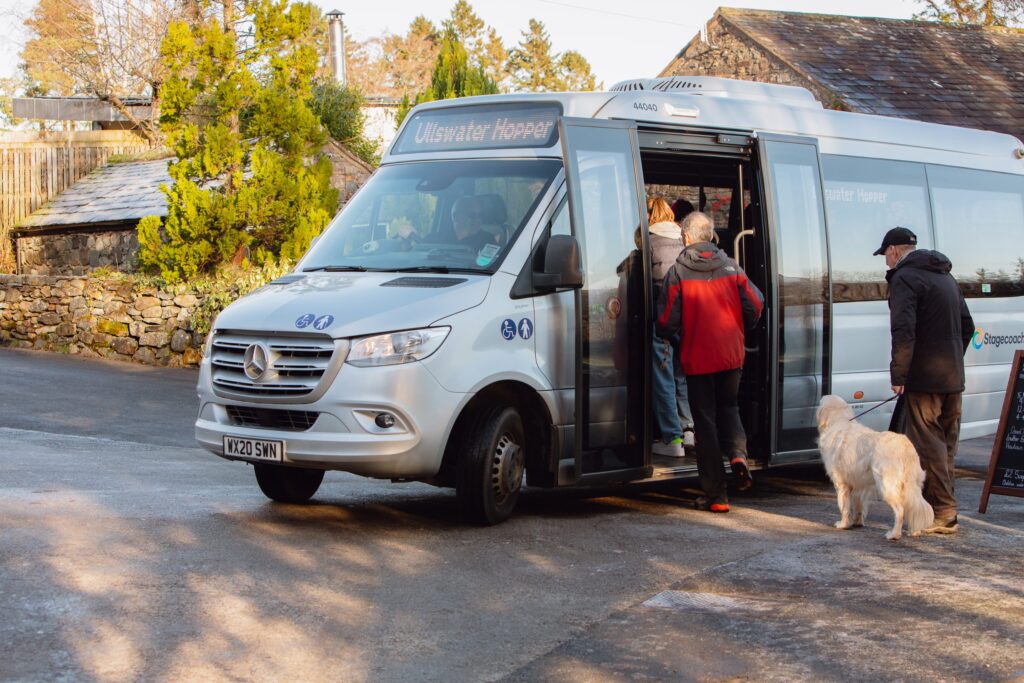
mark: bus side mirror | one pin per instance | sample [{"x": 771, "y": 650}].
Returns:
[{"x": 561, "y": 265}]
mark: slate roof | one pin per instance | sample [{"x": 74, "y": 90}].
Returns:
[
  {"x": 121, "y": 192},
  {"x": 965, "y": 75}
]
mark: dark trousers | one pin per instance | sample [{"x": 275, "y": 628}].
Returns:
[
  {"x": 717, "y": 427},
  {"x": 933, "y": 426}
]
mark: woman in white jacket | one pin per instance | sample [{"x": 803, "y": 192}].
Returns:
[{"x": 671, "y": 408}]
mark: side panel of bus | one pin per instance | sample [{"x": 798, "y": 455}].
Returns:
[{"x": 976, "y": 218}]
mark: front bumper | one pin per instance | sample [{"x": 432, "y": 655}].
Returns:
[{"x": 344, "y": 436}]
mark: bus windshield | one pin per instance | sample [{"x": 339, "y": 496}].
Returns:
[{"x": 458, "y": 215}]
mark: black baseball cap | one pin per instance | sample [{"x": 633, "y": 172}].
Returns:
[{"x": 895, "y": 237}]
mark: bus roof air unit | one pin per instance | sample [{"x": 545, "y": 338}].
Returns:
[{"x": 710, "y": 86}]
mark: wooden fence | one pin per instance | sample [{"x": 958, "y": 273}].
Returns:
[{"x": 35, "y": 167}]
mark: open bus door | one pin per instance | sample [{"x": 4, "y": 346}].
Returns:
[
  {"x": 800, "y": 305},
  {"x": 613, "y": 332}
]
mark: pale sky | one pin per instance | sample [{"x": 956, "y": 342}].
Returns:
[{"x": 621, "y": 40}]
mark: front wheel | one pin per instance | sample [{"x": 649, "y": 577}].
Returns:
[
  {"x": 287, "y": 484},
  {"x": 491, "y": 466}
]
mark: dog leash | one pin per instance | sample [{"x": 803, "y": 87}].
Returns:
[{"x": 857, "y": 417}]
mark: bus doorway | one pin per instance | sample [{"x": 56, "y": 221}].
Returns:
[{"x": 716, "y": 174}]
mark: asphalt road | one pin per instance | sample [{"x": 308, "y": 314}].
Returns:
[{"x": 128, "y": 554}]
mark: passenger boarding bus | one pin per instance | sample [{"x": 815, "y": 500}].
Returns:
[{"x": 479, "y": 315}]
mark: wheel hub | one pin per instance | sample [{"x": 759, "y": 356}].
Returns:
[{"x": 506, "y": 468}]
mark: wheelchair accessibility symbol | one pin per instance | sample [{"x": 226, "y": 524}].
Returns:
[
  {"x": 305, "y": 321},
  {"x": 508, "y": 329}
]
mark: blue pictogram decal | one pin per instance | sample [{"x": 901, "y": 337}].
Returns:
[
  {"x": 525, "y": 328},
  {"x": 508, "y": 329},
  {"x": 323, "y": 322},
  {"x": 305, "y": 320}
]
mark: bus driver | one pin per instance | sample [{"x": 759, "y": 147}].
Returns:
[{"x": 466, "y": 223}]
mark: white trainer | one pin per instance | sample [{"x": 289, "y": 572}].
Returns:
[
  {"x": 688, "y": 439},
  {"x": 673, "y": 449}
]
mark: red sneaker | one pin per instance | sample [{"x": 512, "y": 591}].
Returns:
[{"x": 706, "y": 505}]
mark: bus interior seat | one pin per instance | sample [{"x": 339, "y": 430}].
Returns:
[{"x": 494, "y": 216}]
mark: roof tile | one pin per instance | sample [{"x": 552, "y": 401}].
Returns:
[
  {"x": 115, "y": 192},
  {"x": 912, "y": 69}
]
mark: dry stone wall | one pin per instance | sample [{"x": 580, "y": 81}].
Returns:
[
  {"x": 100, "y": 317},
  {"x": 77, "y": 253}
]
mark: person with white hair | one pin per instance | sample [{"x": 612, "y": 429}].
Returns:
[{"x": 707, "y": 309}]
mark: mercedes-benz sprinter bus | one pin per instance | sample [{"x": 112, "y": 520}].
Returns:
[{"x": 479, "y": 315}]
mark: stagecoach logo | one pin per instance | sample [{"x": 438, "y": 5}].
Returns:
[
  {"x": 983, "y": 338},
  {"x": 978, "y": 339},
  {"x": 256, "y": 361}
]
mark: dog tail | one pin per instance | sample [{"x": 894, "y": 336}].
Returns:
[{"x": 917, "y": 511}]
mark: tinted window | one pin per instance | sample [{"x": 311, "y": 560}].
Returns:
[
  {"x": 439, "y": 214},
  {"x": 864, "y": 198},
  {"x": 979, "y": 225},
  {"x": 803, "y": 288}
]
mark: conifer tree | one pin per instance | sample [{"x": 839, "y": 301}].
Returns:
[
  {"x": 534, "y": 68},
  {"x": 574, "y": 72},
  {"x": 454, "y": 75},
  {"x": 531, "y": 64},
  {"x": 339, "y": 108},
  {"x": 235, "y": 113}
]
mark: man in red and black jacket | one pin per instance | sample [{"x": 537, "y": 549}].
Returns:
[{"x": 707, "y": 307}]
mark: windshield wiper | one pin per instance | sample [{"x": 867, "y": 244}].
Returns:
[{"x": 336, "y": 269}]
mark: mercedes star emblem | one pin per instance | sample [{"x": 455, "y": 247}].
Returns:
[{"x": 257, "y": 360}]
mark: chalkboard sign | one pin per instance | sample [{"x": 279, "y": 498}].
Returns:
[{"x": 1006, "y": 469}]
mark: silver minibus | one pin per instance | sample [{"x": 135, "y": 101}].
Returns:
[{"x": 479, "y": 315}]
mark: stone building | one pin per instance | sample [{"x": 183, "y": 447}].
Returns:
[
  {"x": 92, "y": 223},
  {"x": 963, "y": 75}
]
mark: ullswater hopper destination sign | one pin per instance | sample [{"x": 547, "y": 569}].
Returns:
[{"x": 498, "y": 126}]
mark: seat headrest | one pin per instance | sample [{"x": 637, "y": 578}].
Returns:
[{"x": 492, "y": 209}]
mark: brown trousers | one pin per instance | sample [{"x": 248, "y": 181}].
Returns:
[{"x": 933, "y": 426}]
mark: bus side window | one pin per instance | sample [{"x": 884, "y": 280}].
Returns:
[{"x": 559, "y": 223}]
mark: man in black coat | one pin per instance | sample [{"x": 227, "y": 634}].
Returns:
[{"x": 931, "y": 329}]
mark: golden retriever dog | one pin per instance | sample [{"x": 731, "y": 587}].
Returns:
[{"x": 861, "y": 461}]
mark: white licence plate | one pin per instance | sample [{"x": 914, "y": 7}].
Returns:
[{"x": 253, "y": 449}]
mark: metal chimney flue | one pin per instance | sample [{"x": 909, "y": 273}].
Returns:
[{"x": 336, "y": 32}]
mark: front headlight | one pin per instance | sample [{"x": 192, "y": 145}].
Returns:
[
  {"x": 396, "y": 347},
  {"x": 208, "y": 344}
]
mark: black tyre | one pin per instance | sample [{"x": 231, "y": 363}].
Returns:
[
  {"x": 287, "y": 484},
  {"x": 491, "y": 465}
]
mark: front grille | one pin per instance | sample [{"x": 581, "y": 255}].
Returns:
[
  {"x": 296, "y": 365},
  {"x": 270, "y": 418}
]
